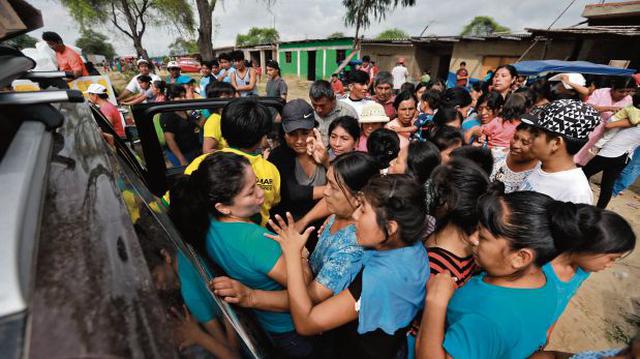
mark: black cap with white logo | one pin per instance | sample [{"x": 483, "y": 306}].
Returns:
[
  {"x": 568, "y": 118},
  {"x": 297, "y": 114}
]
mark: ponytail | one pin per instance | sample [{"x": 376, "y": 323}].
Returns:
[
  {"x": 581, "y": 228},
  {"x": 218, "y": 179}
]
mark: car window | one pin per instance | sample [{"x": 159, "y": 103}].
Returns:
[{"x": 180, "y": 278}]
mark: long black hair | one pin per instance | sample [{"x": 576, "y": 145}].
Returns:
[
  {"x": 422, "y": 159},
  {"x": 458, "y": 185},
  {"x": 590, "y": 229},
  {"x": 384, "y": 145},
  {"x": 399, "y": 198},
  {"x": 218, "y": 179},
  {"x": 353, "y": 170}
]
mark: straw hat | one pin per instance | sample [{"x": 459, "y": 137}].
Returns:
[{"x": 373, "y": 112}]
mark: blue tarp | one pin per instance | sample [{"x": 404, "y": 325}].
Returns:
[{"x": 529, "y": 68}]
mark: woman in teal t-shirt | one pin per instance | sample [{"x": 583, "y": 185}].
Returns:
[
  {"x": 212, "y": 209},
  {"x": 506, "y": 311}
]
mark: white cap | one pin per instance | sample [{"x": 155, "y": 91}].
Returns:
[
  {"x": 96, "y": 89},
  {"x": 574, "y": 78},
  {"x": 172, "y": 64},
  {"x": 141, "y": 61}
]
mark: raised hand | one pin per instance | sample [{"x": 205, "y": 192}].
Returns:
[
  {"x": 316, "y": 148},
  {"x": 291, "y": 241},
  {"x": 440, "y": 288}
]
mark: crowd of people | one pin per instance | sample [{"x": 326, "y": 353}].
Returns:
[{"x": 399, "y": 219}]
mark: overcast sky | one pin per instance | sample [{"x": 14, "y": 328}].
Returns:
[{"x": 300, "y": 19}]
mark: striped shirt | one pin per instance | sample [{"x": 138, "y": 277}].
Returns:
[{"x": 441, "y": 259}]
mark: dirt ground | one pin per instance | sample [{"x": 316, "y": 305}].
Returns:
[{"x": 605, "y": 313}]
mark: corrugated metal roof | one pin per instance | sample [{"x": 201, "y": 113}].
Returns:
[{"x": 590, "y": 31}]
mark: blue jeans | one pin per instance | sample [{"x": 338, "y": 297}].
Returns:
[{"x": 629, "y": 174}]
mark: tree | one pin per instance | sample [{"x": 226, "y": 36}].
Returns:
[
  {"x": 92, "y": 42},
  {"x": 22, "y": 41},
  {"x": 392, "y": 34},
  {"x": 205, "y": 28},
  {"x": 336, "y": 35},
  {"x": 360, "y": 13},
  {"x": 182, "y": 47},
  {"x": 131, "y": 17},
  {"x": 482, "y": 26},
  {"x": 257, "y": 36}
]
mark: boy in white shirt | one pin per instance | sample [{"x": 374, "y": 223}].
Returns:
[{"x": 560, "y": 130}]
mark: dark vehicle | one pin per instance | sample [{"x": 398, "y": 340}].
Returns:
[{"x": 89, "y": 258}]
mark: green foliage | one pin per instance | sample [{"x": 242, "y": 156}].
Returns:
[
  {"x": 392, "y": 34},
  {"x": 92, "y": 42},
  {"x": 482, "y": 26},
  {"x": 336, "y": 35},
  {"x": 22, "y": 41},
  {"x": 361, "y": 12},
  {"x": 257, "y": 36},
  {"x": 182, "y": 47}
]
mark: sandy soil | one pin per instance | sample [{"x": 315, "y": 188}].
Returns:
[{"x": 605, "y": 313}]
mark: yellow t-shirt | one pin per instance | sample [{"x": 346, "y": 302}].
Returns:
[
  {"x": 212, "y": 129},
  {"x": 266, "y": 172},
  {"x": 630, "y": 113}
]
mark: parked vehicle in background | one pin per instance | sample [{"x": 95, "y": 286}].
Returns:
[{"x": 188, "y": 64}]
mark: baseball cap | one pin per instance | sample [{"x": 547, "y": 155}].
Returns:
[
  {"x": 373, "y": 112},
  {"x": 574, "y": 78},
  {"x": 568, "y": 118},
  {"x": 96, "y": 89},
  {"x": 173, "y": 64},
  {"x": 142, "y": 61},
  {"x": 297, "y": 114}
]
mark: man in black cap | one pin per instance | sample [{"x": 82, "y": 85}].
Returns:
[
  {"x": 276, "y": 86},
  {"x": 560, "y": 130}
]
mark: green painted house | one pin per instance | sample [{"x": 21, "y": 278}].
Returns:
[{"x": 313, "y": 59}]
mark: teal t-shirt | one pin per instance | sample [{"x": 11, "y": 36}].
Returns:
[
  {"x": 194, "y": 291},
  {"x": 488, "y": 321},
  {"x": 245, "y": 254},
  {"x": 566, "y": 290}
]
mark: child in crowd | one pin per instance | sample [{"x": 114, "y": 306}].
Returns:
[
  {"x": 488, "y": 107},
  {"x": 244, "y": 125},
  {"x": 519, "y": 163},
  {"x": 373, "y": 117},
  {"x": 212, "y": 208},
  {"x": 374, "y": 311},
  {"x": 500, "y": 130},
  {"x": 506, "y": 311},
  {"x": 213, "y": 139},
  {"x": 628, "y": 116},
  {"x": 158, "y": 89},
  {"x": 243, "y": 78},
  {"x": 405, "y": 105},
  {"x": 344, "y": 133},
  {"x": 145, "y": 95},
  {"x": 384, "y": 146},
  {"x": 430, "y": 101},
  {"x": 558, "y": 134}
]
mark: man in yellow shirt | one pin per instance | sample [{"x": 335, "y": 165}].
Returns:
[
  {"x": 213, "y": 139},
  {"x": 244, "y": 124}
]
